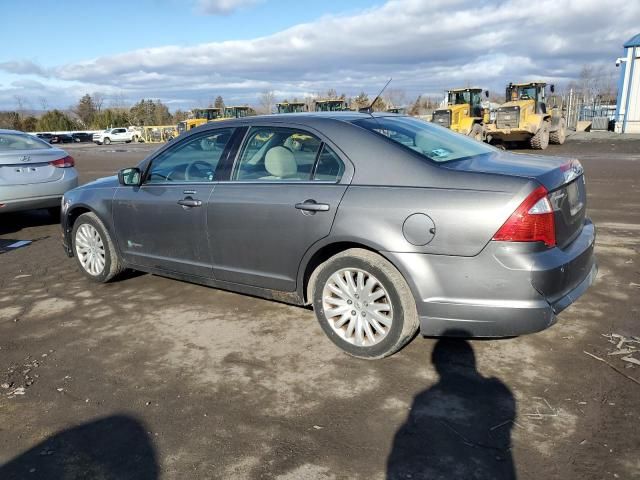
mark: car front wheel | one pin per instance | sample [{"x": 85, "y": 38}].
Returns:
[
  {"x": 94, "y": 250},
  {"x": 364, "y": 304}
]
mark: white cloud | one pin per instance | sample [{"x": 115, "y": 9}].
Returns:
[
  {"x": 424, "y": 45},
  {"x": 222, "y": 7}
]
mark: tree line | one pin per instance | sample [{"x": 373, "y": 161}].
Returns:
[{"x": 89, "y": 114}]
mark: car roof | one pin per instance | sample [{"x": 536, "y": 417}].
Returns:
[{"x": 309, "y": 119}]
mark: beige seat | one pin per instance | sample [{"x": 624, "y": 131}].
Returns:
[{"x": 280, "y": 163}]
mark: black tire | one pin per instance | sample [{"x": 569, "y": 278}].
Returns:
[
  {"x": 476, "y": 132},
  {"x": 106, "y": 141},
  {"x": 404, "y": 318},
  {"x": 112, "y": 263},
  {"x": 540, "y": 140},
  {"x": 558, "y": 136}
]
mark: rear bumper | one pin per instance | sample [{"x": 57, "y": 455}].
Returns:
[
  {"x": 508, "y": 289},
  {"x": 37, "y": 195}
]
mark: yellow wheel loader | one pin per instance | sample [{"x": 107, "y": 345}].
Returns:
[
  {"x": 199, "y": 116},
  {"x": 322, "y": 105},
  {"x": 464, "y": 113},
  {"x": 291, "y": 107},
  {"x": 527, "y": 117},
  {"x": 238, "y": 112}
]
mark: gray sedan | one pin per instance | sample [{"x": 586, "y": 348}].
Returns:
[
  {"x": 33, "y": 174},
  {"x": 385, "y": 224}
]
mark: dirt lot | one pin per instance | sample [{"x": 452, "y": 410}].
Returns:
[{"x": 153, "y": 378}]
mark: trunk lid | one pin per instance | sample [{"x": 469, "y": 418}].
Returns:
[
  {"x": 562, "y": 177},
  {"x": 23, "y": 167}
]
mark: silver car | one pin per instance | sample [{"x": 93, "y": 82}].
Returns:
[
  {"x": 33, "y": 174},
  {"x": 385, "y": 224}
]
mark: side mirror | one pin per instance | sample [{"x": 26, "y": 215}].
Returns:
[
  {"x": 553, "y": 88},
  {"x": 130, "y": 177},
  {"x": 486, "y": 93}
]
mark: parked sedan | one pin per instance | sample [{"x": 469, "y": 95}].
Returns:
[
  {"x": 385, "y": 224},
  {"x": 61, "y": 138},
  {"x": 33, "y": 174},
  {"x": 80, "y": 137}
]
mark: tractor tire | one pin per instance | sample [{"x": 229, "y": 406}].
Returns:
[
  {"x": 476, "y": 132},
  {"x": 540, "y": 140},
  {"x": 560, "y": 135}
]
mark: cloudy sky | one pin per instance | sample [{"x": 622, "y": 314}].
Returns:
[{"x": 186, "y": 52}]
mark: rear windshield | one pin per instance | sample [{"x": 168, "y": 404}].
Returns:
[
  {"x": 21, "y": 141},
  {"x": 434, "y": 142}
]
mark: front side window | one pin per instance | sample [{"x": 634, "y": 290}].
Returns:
[
  {"x": 430, "y": 141},
  {"x": 194, "y": 160},
  {"x": 277, "y": 154}
]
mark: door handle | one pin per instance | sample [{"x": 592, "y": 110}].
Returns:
[
  {"x": 312, "y": 206},
  {"x": 190, "y": 202}
]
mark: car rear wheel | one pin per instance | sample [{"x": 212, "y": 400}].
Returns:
[
  {"x": 94, "y": 250},
  {"x": 363, "y": 304}
]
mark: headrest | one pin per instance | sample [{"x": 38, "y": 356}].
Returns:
[{"x": 280, "y": 162}]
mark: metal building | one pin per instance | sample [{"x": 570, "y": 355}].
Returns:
[{"x": 628, "y": 103}]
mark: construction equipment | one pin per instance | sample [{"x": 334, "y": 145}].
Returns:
[
  {"x": 398, "y": 110},
  {"x": 199, "y": 116},
  {"x": 237, "y": 111},
  {"x": 291, "y": 107},
  {"x": 158, "y": 133},
  {"x": 330, "y": 105},
  {"x": 527, "y": 116},
  {"x": 464, "y": 113}
]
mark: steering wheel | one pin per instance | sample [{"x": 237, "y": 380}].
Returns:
[{"x": 190, "y": 174}]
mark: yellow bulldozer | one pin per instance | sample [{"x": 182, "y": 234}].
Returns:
[
  {"x": 199, "y": 116},
  {"x": 464, "y": 113},
  {"x": 528, "y": 117}
]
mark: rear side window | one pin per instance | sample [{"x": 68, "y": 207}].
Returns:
[
  {"x": 277, "y": 154},
  {"x": 329, "y": 167}
]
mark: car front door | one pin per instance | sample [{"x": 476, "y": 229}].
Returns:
[
  {"x": 281, "y": 197},
  {"x": 162, "y": 224}
]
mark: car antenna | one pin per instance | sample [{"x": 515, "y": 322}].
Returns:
[{"x": 369, "y": 109}]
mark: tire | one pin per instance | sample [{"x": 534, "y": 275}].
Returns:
[
  {"x": 106, "y": 141},
  {"x": 540, "y": 140},
  {"x": 399, "y": 307},
  {"x": 89, "y": 225},
  {"x": 560, "y": 135},
  {"x": 476, "y": 132}
]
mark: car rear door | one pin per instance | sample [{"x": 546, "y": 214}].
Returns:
[
  {"x": 281, "y": 197},
  {"x": 162, "y": 223}
]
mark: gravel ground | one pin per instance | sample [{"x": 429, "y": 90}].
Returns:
[{"x": 153, "y": 378}]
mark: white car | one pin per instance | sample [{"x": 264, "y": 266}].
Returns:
[{"x": 115, "y": 135}]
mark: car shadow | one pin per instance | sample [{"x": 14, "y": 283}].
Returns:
[
  {"x": 459, "y": 427},
  {"x": 114, "y": 447},
  {"x": 13, "y": 222}
]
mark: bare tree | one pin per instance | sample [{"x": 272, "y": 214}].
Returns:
[
  {"x": 98, "y": 100},
  {"x": 267, "y": 101},
  {"x": 44, "y": 103},
  {"x": 21, "y": 103},
  {"x": 395, "y": 97}
]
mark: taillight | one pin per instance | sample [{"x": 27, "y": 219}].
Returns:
[
  {"x": 533, "y": 221},
  {"x": 65, "y": 162}
]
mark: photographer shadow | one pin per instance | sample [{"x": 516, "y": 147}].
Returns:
[
  {"x": 458, "y": 428},
  {"x": 115, "y": 447}
]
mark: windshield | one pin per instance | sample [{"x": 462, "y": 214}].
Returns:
[
  {"x": 459, "y": 98},
  {"x": 431, "y": 141},
  {"x": 21, "y": 141}
]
